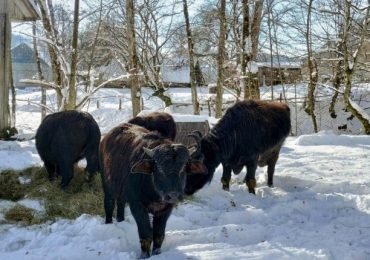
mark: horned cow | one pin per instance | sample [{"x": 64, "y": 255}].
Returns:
[
  {"x": 250, "y": 133},
  {"x": 148, "y": 171}
]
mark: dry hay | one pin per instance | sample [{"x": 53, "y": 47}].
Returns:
[{"x": 80, "y": 197}]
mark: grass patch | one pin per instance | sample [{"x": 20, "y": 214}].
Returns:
[
  {"x": 21, "y": 214},
  {"x": 80, "y": 197}
]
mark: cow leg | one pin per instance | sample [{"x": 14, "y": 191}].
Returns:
[
  {"x": 108, "y": 208},
  {"x": 271, "y": 169},
  {"x": 66, "y": 171},
  {"x": 50, "y": 168},
  {"x": 250, "y": 179},
  {"x": 226, "y": 176},
  {"x": 159, "y": 229},
  {"x": 141, "y": 217},
  {"x": 91, "y": 166},
  {"x": 121, "y": 209}
]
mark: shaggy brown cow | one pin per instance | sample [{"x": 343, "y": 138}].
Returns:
[
  {"x": 63, "y": 139},
  {"x": 149, "y": 172},
  {"x": 250, "y": 133}
]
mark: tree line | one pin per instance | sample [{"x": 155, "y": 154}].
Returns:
[{"x": 230, "y": 36}]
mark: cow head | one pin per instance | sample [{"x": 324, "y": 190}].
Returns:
[
  {"x": 206, "y": 152},
  {"x": 169, "y": 164}
]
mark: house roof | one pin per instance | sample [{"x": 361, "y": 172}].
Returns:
[
  {"x": 20, "y": 10},
  {"x": 23, "y": 53}
]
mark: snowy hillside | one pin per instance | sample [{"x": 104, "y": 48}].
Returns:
[{"x": 318, "y": 209}]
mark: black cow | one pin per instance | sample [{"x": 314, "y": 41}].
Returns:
[
  {"x": 63, "y": 139},
  {"x": 157, "y": 121},
  {"x": 148, "y": 171},
  {"x": 250, "y": 133}
]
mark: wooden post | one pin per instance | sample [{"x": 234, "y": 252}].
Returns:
[{"x": 5, "y": 37}]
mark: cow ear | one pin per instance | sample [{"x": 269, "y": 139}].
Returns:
[
  {"x": 144, "y": 166},
  {"x": 196, "y": 167}
]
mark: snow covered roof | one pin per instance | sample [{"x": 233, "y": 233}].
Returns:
[
  {"x": 283, "y": 65},
  {"x": 23, "y": 53},
  {"x": 177, "y": 74}
]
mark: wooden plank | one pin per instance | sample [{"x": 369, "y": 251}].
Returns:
[
  {"x": 185, "y": 128},
  {"x": 5, "y": 34},
  {"x": 22, "y": 10}
]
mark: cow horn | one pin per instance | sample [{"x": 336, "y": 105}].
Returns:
[
  {"x": 149, "y": 152},
  {"x": 196, "y": 151}
]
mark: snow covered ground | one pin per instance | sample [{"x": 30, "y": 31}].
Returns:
[{"x": 318, "y": 209}]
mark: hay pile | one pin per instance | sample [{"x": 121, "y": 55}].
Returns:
[{"x": 33, "y": 183}]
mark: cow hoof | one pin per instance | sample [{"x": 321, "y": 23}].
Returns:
[
  {"x": 156, "y": 251},
  {"x": 251, "y": 184},
  {"x": 120, "y": 219},
  {"x": 65, "y": 189},
  {"x": 270, "y": 185},
  {"x": 225, "y": 184},
  {"x": 108, "y": 221},
  {"x": 225, "y": 187},
  {"x": 144, "y": 255}
]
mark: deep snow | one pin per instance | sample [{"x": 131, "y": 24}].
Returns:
[{"x": 318, "y": 209}]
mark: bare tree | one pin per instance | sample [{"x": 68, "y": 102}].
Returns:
[
  {"x": 251, "y": 27},
  {"x": 350, "y": 62},
  {"x": 39, "y": 71},
  {"x": 220, "y": 59},
  {"x": 156, "y": 23},
  {"x": 246, "y": 45},
  {"x": 194, "y": 96},
  {"x": 312, "y": 70},
  {"x": 53, "y": 52},
  {"x": 133, "y": 82},
  {"x": 72, "y": 91}
]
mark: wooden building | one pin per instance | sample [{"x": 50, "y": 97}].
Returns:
[
  {"x": 283, "y": 73},
  {"x": 25, "y": 67},
  {"x": 10, "y": 10}
]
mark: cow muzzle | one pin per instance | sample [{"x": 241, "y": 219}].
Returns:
[{"x": 173, "y": 197}]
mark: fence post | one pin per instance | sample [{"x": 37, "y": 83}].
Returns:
[
  {"x": 120, "y": 104},
  {"x": 97, "y": 104}
]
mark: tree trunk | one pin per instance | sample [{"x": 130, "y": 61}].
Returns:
[
  {"x": 14, "y": 102},
  {"x": 5, "y": 34},
  {"x": 245, "y": 57},
  {"x": 250, "y": 41},
  {"x": 133, "y": 80},
  {"x": 39, "y": 71},
  {"x": 93, "y": 49},
  {"x": 349, "y": 66},
  {"x": 336, "y": 85},
  {"x": 194, "y": 96},
  {"x": 50, "y": 35},
  {"x": 72, "y": 91},
  {"x": 310, "y": 106},
  {"x": 220, "y": 59}
]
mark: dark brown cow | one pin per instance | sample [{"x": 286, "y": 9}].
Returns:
[
  {"x": 250, "y": 133},
  {"x": 63, "y": 139},
  {"x": 147, "y": 171}
]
